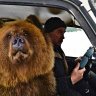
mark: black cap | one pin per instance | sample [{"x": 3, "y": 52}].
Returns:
[{"x": 53, "y": 23}]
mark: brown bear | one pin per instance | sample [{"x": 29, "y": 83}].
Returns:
[{"x": 26, "y": 61}]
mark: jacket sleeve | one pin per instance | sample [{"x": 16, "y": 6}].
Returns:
[
  {"x": 69, "y": 82},
  {"x": 63, "y": 81}
]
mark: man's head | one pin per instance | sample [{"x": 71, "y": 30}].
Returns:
[{"x": 55, "y": 27}]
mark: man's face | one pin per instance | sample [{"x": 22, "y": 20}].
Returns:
[{"x": 57, "y": 35}]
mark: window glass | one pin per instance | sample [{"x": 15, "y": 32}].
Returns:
[{"x": 75, "y": 43}]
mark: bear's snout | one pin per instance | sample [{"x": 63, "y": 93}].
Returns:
[{"x": 18, "y": 43}]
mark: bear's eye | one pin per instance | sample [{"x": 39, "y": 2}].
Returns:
[
  {"x": 26, "y": 33},
  {"x": 9, "y": 35}
]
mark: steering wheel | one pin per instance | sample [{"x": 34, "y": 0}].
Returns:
[
  {"x": 87, "y": 56},
  {"x": 87, "y": 62}
]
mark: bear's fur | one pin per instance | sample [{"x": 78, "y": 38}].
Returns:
[{"x": 25, "y": 70}]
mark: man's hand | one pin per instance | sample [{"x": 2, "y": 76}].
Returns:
[{"x": 77, "y": 74}]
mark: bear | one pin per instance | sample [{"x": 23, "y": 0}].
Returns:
[{"x": 26, "y": 61}]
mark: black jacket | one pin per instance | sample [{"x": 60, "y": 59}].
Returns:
[{"x": 64, "y": 84}]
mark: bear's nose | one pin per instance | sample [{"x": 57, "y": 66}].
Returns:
[{"x": 18, "y": 43}]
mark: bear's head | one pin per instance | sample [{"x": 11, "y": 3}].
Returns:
[{"x": 25, "y": 53}]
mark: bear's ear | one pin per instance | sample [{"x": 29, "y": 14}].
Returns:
[
  {"x": 35, "y": 20},
  {"x": 4, "y": 20}
]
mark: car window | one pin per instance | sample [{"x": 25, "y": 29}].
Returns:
[{"x": 76, "y": 42}]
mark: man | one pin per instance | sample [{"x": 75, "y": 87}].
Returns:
[{"x": 56, "y": 28}]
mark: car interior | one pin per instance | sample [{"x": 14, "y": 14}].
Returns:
[
  {"x": 44, "y": 13},
  {"x": 12, "y": 12}
]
